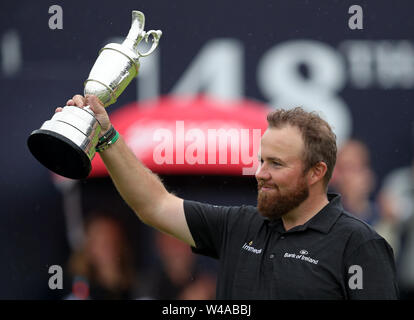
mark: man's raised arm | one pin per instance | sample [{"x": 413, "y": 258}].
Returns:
[{"x": 139, "y": 187}]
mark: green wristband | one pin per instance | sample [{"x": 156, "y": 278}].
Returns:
[
  {"x": 113, "y": 140},
  {"x": 105, "y": 145}
]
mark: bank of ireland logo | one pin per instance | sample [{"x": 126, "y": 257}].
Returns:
[{"x": 302, "y": 256}]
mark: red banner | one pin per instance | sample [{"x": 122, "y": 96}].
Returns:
[{"x": 178, "y": 135}]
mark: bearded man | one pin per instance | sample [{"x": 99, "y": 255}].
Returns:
[{"x": 298, "y": 243}]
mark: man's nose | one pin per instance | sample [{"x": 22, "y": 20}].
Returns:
[{"x": 262, "y": 173}]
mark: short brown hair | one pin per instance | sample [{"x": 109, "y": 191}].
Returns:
[{"x": 317, "y": 135}]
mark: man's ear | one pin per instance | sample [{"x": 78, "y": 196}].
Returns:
[{"x": 317, "y": 172}]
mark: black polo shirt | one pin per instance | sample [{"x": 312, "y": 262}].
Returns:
[{"x": 334, "y": 255}]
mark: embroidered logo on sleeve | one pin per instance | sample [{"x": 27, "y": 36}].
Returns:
[{"x": 302, "y": 256}]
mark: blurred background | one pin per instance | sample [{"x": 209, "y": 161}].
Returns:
[{"x": 220, "y": 64}]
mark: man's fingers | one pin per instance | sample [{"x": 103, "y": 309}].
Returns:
[
  {"x": 79, "y": 100},
  {"x": 70, "y": 102},
  {"x": 94, "y": 103},
  {"x": 59, "y": 109}
]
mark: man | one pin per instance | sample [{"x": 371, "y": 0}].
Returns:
[
  {"x": 297, "y": 244},
  {"x": 354, "y": 179}
]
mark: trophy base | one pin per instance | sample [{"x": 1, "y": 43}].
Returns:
[{"x": 59, "y": 154}]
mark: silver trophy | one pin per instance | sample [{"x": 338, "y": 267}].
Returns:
[{"x": 66, "y": 143}]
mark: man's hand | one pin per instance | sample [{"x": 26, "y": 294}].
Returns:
[{"x": 96, "y": 106}]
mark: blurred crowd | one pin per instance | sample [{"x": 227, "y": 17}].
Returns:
[
  {"x": 103, "y": 267},
  {"x": 388, "y": 206}
]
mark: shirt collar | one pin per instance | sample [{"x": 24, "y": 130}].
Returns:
[
  {"x": 322, "y": 221},
  {"x": 326, "y": 218}
]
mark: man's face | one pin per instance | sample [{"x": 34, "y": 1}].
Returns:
[
  {"x": 353, "y": 174},
  {"x": 282, "y": 185}
]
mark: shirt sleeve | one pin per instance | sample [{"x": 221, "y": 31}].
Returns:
[
  {"x": 370, "y": 272},
  {"x": 210, "y": 225}
]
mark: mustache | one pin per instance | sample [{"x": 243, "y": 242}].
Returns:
[{"x": 261, "y": 183}]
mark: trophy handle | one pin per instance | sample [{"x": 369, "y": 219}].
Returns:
[{"x": 156, "y": 35}]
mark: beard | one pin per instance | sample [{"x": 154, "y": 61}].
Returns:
[{"x": 274, "y": 204}]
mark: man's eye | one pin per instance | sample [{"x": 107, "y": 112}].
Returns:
[{"x": 276, "y": 164}]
